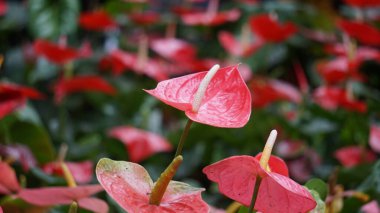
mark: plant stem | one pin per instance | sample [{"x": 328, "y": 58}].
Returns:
[
  {"x": 183, "y": 138},
  {"x": 255, "y": 193},
  {"x": 62, "y": 123}
]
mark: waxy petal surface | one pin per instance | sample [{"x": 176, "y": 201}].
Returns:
[
  {"x": 236, "y": 177},
  {"x": 93, "y": 204},
  {"x": 374, "y": 138},
  {"x": 8, "y": 180},
  {"x": 276, "y": 165},
  {"x": 139, "y": 143},
  {"x": 130, "y": 185},
  {"x": 227, "y": 101},
  {"x": 65, "y": 87}
]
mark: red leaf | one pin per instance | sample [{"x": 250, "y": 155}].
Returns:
[
  {"x": 174, "y": 49},
  {"x": 267, "y": 91},
  {"x": 374, "y": 138},
  {"x": 81, "y": 171},
  {"x": 270, "y": 29},
  {"x": 331, "y": 98},
  {"x": 363, "y": 32},
  {"x": 140, "y": 144},
  {"x": 19, "y": 153},
  {"x": 363, "y": 3},
  {"x": 96, "y": 20},
  {"x": 14, "y": 96},
  {"x": 236, "y": 177},
  {"x": 354, "y": 155},
  {"x": 237, "y": 48},
  {"x": 227, "y": 101},
  {"x": 212, "y": 19},
  {"x": 55, "y": 53},
  {"x": 76, "y": 84},
  {"x": 129, "y": 184},
  {"x": 51, "y": 196},
  {"x": 8, "y": 180}
]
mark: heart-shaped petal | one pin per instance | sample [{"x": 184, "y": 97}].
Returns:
[
  {"x": 55, "y": 53},
  {"x": 130, "y": 185},
  {"x": 361, "y": 31},
  {"x": 8, "y": 180},
  {"x": 374, "y": 138},
  {"x": 227, "y": 101},
  {"x": 96, "y": 20}
]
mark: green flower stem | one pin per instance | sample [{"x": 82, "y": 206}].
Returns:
[
  {"x": 162, "y": 183},
  {"x": 183, "y": 138},
  {"x": 254, "y": 195}
]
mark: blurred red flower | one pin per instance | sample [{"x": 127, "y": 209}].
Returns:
[
  {"x": 50, "y": 196},
  {"x": 96, "y": 20},
  {"x": 64, "y": 87},
  {"x": 3, "y": 7},
  {"x": 351, "y": 156},
  {"x": 238, "y": 48},
  {"x": 19, "y": 153},
  {"x": 236, "y": 177},
  {"x": 374, "y": 138},
  {"x": 174, "y": 49},
  {"x": 13, "y": 96},
  {"x": 269, "y": 29},
  {"x": 361, "y": 31},
  {"x": 130, "y": 185},
  {"x": 210, "y": 19},
  {"x": 338, "y": 70},
  {"x": 81, "y": 171},
  {"x": 227, "y": 100},
  {"x": 8, "y": 181},
  {"x": 145, "y": 18},
  {"x": 140, "y": 144},
  {"x": 267, "y": 91},
  {"x": 363, "y": 3}
]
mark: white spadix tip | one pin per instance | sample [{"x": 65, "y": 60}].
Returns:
[
  {"x": 268, "y": 149},
  {"x": 203, "y": 86}
]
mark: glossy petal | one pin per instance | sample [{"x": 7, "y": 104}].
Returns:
[
  {"x": 93, "y": 204},
  {"x": 14, "y": 96},
  {"x": 354, "y": 155},
  {"x": 139, "y": 143},
  {"x": 237, "y": 48},
  {"x": 55, "y": 53},
  {"x": 363, "y": 32},
  {"x": 268, "y": 29},
  {"x": 227, "y": 102},
  {"x": 130, "y": 185},
  {"x": 19, "y": 153},
  {"x": 59, "y": 195},
  {"x": 332, "y": 98},
  {"x": 205, "y": 19},
  {"x": 76, "y": 84},
  {"x": 8, "y": 180},
  {"x": 236, "y": 177},
  {"x": 174, "y": 49},
  {"x": 265, "y": 92},
  {"x": 96, "y": 20},
  {"x": 82, "y": 171},
  {"x": 374, "y": 138},
  {"x": 363, "y": 3},
  {"x": 276, "y": 165}
]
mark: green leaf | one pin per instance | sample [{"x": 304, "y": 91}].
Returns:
[
  {"x": 35, "y": 137},
  {"x": 321, "y": 206},
  {"x": 53, "y": 18},
  {"x": 318, "y": 186},
  {"x": 243, "y": 209}
]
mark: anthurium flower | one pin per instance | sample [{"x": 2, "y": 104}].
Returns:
[
  {"x": 363, "y": 3},
  {"x": 216, "y": 98},
  {"x": 3, "y": 7},
  {"x": 361, "y": 31},
  {"x": 338, "y": 70},
  {"x": 8, "y": 180},
  {"x": 267, "y": 91},
  {"x": 18, "y": 153},
  {"x": 174, "y": 49},
  {"x": 211, "y": 19},
  {"x": 371, "y": 207},
  {"x": 130, "y": 185},
  {"x": 354, "y": 155},
  {"x": 50, "y": 196},
  {"x": 271, "y": 30},
  {"x": 139, "y": 143},
  {"x": 59, "y": 54},
  {"x": 81, "y": 171},
  {"x": 332, "y": 98},
  {"x": 13, "y": 96},
  {"x": 238, "y": 48},
  {"x": 236, "y": 178},
  {"x": 374, "y": 138},
  {"x": 145, "y": 18},
  {"x": 96, "y": 20},
  {"x": 76, "y": 84}
]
